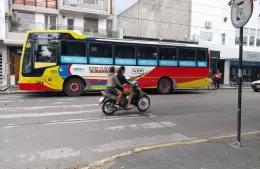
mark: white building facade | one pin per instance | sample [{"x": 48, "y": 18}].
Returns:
[
  {"x": 91, "y": 17},
  {"x": 211, "y": 26}
]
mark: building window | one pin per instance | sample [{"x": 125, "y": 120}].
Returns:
[
  {"x": 70, "y": 24},
  {"x": 187, "y": 57},
  {"x": 26, "y": 20},
  {"x": 245, "y": 36},
  {"x": 38, "y": 3},
  {"x": 100, "y": 53},
  {"x": 125, "y": 55},
  {"x": 206, "y": 36},
  {"x": 18, "y": 2},
  {"x": 252, "y": 37},
  {"x": 147, "y": 56},
  {"x": 52, "y": 4},
  {"x": 41, "y": 3},
  {"x": 168, "y": 57},
  {"x": 258, "y": 38}
]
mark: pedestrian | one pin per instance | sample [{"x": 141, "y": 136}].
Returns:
[{"x": 218, "y": 77}]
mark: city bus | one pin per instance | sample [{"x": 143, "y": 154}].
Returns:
[{"x": 65, "y": 60}]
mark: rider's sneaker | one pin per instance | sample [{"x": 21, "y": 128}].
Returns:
[
  {"x": 117, "y": 106},
  {"x": 130, "y": 107}
]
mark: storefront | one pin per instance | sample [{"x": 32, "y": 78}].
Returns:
[
  {"x": 251, "y": 66},
  {"x": 15, "y": 56}
]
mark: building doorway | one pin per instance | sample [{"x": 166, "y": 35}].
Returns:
[{"x": 15, "y": 53}]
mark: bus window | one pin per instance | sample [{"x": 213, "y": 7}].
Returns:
[
  {"x": 202, "y": 58},
  {"x": 100, "y": 53},
  {"x": 168, "y": 57},
  {"x": 147, "y": 56},
  {"x": 73, "y": 52},
  {"x": 125, "y": 55},
  {"x": 187, "y": 57},
  {"x": 27, "y": 59},
  {"x": 45, "y": 56}
]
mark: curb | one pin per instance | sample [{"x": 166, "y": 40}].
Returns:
[{"x": 98, "y": 164}]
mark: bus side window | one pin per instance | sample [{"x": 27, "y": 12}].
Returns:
[
  {"x": 187, "y": 57},
  {"x": 147, "y": 56},
  {"x": 168, "y": 57},
  {"x": 125, "y": 55},
  {"x": 100, "y": 53},
  {"x": 73, "y": 52},
  {"x": 202, "y": 58}
]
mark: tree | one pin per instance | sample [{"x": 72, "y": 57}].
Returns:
[{"x": 230, "y": 3}]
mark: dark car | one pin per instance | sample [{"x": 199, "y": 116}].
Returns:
[{"x": 256, "y": 86}]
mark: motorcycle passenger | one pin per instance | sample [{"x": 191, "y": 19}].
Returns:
[
  {"x": 121, "y": 78},
  {"x": 112, "y": 82}
]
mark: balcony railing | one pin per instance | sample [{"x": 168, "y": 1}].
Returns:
[
  {"x": 95, "y": 5},
  {"x": 23, "y": 27}
]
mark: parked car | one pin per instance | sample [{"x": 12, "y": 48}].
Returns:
[{"x": 256, "y": 86}]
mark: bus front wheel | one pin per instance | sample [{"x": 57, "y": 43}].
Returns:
[
  {"x": 164, "y": 86},
  {"x": 74, "y": 87}
]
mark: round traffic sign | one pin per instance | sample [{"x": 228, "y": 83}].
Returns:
[{"x": 241, "y": 12}]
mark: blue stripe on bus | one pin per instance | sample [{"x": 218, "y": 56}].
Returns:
[
  {"x": 147, "y": 62},
  {"x": 99, "y": 60},
  {"x": 187, "y": 63},
  {"x": 120, "y": 61},
  {"x": 73, "y": 59},
  {"x": 98, "y": 83},
  {"x": 202, "y": 64},
  {"x": 168, "y": 62}
]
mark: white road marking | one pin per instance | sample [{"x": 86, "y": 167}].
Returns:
[
  {"x": 10, "y": 116},
  {"x": 58, "y": 153},
  {"x": 46, "y": 107},
  {"x": 139, "y": 142},
  {"x": 86, "y": 120},
  {"x": 6, "y": 101},
  {"x": 152, "y": 125},
  {"x": 59, "y": 103}
]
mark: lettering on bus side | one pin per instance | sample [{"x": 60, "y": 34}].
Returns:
[
  {"x": 100, "y": 69},
  {"x": 137, "y": 70}
]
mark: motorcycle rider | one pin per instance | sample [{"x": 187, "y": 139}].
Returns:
[
  {"x": 112, "y": 82},
  {"x": 121, "y": 78}
]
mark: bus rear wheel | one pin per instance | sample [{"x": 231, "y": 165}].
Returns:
[
  {"x": 74, "y": 87},
  {"x": 164, "y": 86}
]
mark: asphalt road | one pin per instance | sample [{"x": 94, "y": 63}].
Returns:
[{"x": 58, "y": 132}]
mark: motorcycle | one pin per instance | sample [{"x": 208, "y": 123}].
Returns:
[
  {"x": 140, "y": 100},
  {"x": 234, "y": 82}
]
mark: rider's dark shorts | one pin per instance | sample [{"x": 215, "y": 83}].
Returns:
[{"x": 112, "y": 90}]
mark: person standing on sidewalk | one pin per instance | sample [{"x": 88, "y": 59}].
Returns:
[{"x": 218, "y": 77}]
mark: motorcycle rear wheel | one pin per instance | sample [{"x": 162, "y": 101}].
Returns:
[{"x": 108, "y": 105}]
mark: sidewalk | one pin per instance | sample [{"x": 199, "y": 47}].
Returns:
[{"x": 217, "y": 153}]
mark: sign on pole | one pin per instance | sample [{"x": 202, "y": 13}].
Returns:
[{"x": 241, "y": 12}]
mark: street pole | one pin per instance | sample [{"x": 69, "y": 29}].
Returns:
[{"x": 240, "y": 76}]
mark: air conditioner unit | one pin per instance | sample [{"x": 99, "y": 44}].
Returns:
[{"x": 208, "y": 24}]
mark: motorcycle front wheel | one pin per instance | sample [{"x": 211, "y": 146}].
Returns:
[
  {"x": 107, "y": 107},
  {"x": 143, "y": 104}
]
